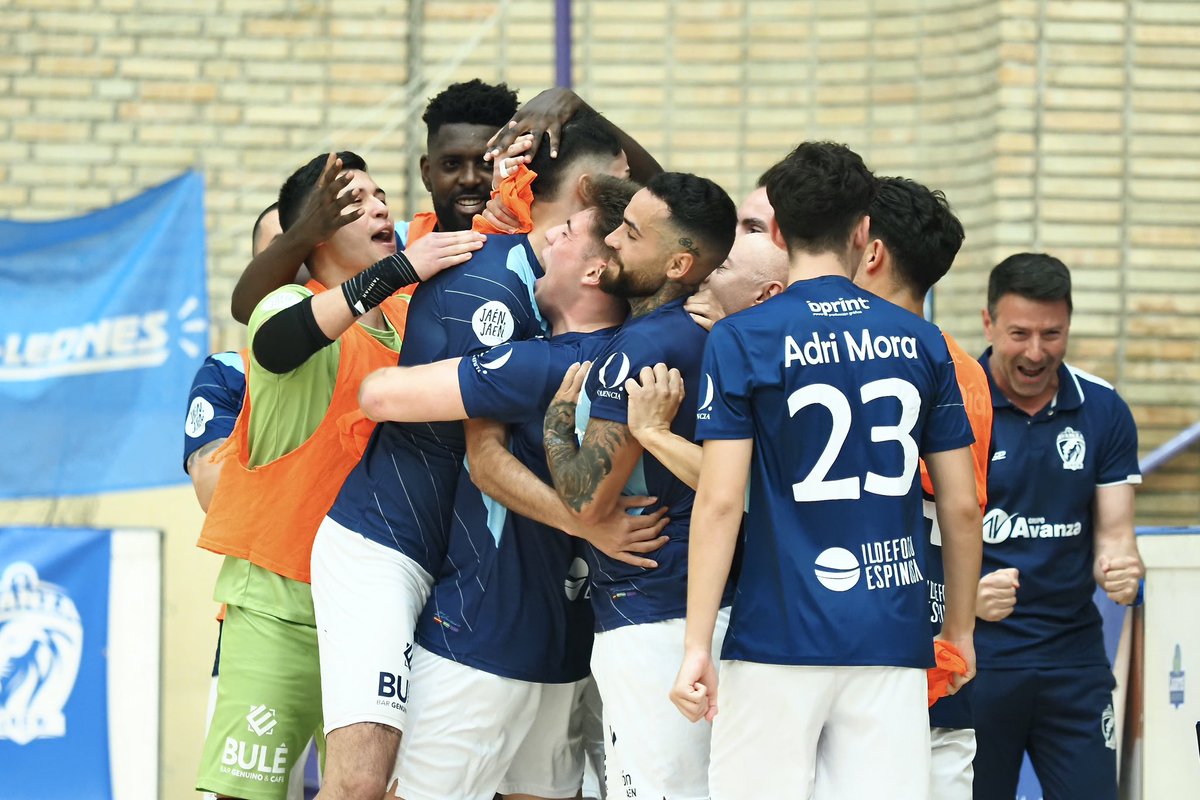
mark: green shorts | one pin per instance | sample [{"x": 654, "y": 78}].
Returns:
[{"x": 268, "y": 706}]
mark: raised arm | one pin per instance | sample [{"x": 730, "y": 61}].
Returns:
[
  {"x": 1117, "y": 567},
  {"x": 323, "y": 214},
  {"x": 548, "y": 112}
]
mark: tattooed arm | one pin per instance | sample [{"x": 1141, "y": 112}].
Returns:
[{"x": 588, "y": 477}]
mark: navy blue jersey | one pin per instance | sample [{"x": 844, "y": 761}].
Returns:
[
  {"x": 402, "y": 491},
  {"x": 840, "y": 391},
  {"x": 623, "y": 594},
  {"x": 511, "y": 598},
  {"x": 214, "y": 401},
  {"x": 1042, "y": 481}
]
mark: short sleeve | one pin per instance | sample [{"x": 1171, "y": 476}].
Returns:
[
  {"x": 214, "y": 402},
  {"x": 605, "y": 385},
  {"x": 507, "y": 382},
  {"x": 723, "y": 408},
  {"x": 482, "y": 314},
  {"x": 1118, "y": 463},
  {"x": 947, "y": 426}
]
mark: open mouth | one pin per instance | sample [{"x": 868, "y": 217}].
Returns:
[
  {"x": 1030, "y": 373},
  {"x": 385, "y": 235}
]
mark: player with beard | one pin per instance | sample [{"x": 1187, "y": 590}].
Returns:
[
  {"x": 673, "y": 234},
  {"x": 385, "y": 536}
]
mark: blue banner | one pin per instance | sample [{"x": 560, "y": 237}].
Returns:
[
  {"x": 103, "y": 323},
  {"x": 54, "y": 604}
]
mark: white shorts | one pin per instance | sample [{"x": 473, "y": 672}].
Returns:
[
  {"x": 366, "y": 598},
  {"x": 472, "y": 734},
  {"x": 589, "y": 718},
  {"x": 951, "y": 772},
  {"x": 820, "y": 732},
  {"x": 650, "y": 749}
]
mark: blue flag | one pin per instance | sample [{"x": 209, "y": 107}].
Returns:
[
  {"x": 103, "y": 323},
  {"x": 54, "y": 608}
]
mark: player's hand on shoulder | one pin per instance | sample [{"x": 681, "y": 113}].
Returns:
[
  {"x": 572, "y": 383},
  {"x": 695, "y": 689},
  {"x": 654, "y": 398},
  {"x": 1118, "y": 576},
  {"x": 440, "y": 250},
  {"x": 997, "y": 596},
  {"x": 545, "y": 113},
  {"x": 704, "y": 310}
]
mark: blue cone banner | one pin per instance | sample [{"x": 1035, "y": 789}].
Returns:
[{"x": 103, "y": 323}]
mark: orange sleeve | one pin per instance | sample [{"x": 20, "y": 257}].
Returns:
[
  {"x": 516, "y": 191},
  {"x": 977, "y": 399}
]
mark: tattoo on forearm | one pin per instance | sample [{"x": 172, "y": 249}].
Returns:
[{"x": 578, "y": 471}]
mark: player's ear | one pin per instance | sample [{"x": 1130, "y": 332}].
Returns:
[
  {"x": 595, "y": 267},
  {"x": 768, "y": 290},
  {"x": 425, "y": 172},
  {"x": 987, "y": 324},
  {"x": 681, "y": 264},
  {"x": 776, "y": 234},
  {"x": 581, "y": 186}
]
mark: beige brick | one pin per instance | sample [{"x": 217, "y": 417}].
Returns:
[
  {"x": 92, "y": 23},
  {"x": 177, "y": 47},
  {"x": 45, "y": 131},
  {"x": 159, "y": 68},
  {"x": 77, "y": 153},
  {"x": 78, "y": 67},
  {"x": 50, "y": 87}
]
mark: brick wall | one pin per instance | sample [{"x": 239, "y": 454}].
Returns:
[{"x": 1056, "y": 125}]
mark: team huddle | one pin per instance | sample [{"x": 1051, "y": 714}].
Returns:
[{"x": 591, "y": 483}]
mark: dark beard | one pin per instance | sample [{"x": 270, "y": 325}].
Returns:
[{"x": 620, "y": 283}]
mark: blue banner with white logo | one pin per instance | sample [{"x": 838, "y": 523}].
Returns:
[
  {"x": 54, "y": 607},
  {"x": 103, "y": 323}
]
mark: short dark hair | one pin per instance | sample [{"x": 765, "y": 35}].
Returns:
[
  {"x": 701, "y": 211},
  {"x": 296, "y": 189},
  {"x": 1034, "y": 276},
  {"x": 919, "y": 230},
  {"x": 258, "y": 222},
  {"x": 585, "y": 135},
  {"x": 609, "y": 196},
  {"x": 820, "y": 191},
  {"x": 472, "y": 102}
]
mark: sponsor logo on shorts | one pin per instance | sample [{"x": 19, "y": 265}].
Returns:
[
  {"x": 254, "y": 761},
  {"x": 261, "y": 720},
  {"x": 576, "y": 580},
  {"x": 41, "y": 643},
  {"x": 393, "y": 688},
  {"x": 493, "y": 323},
  {"x": 1000, "y": 526}
]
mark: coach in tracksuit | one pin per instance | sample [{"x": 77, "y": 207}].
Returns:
[{"x": 1059, "y": 523}]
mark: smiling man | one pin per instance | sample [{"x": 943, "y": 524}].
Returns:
[
  {"x": 284, "y": 464},
  {"x": 1059, "y": 523}
]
